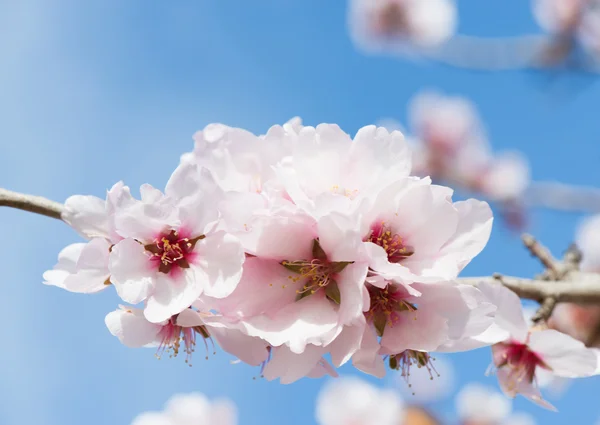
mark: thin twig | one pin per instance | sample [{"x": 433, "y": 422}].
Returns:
[
  {"x": 545, "y": 310},
  {"x": 543, "y": 254},
  {"x": 31, "y": 203}
]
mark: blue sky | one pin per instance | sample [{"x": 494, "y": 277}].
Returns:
[{"x": 99, "y": 91}]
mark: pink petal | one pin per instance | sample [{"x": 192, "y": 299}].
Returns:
[
  {"x": 289, "y": 367},
  {"x": 422, "y": 330},
  {"x": 92, "y": 268},
  {"x": 347, "y": 343},
  {"x": 130, "y": 326},
  {"x": 509, "y": 313},
  {"x": 131, "y": 271},
  {"x": 87, "y": 215},
  {"x": 308, "y": 321},
  {"x": 566, "y": 356},
  {"x": 472, "y": 233},
  {"x": 263, "y": 288},
  {"x": 367, "y": 359},
  {"x": 250, "y": 350},
  {"x": 67, "y": 264},
  {"x": 219, "y": 261},
  {"x": 172, "y": 294}
]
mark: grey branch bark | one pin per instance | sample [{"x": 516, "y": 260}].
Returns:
[
  {"x": 31, "y": 203},
  {"x": 578, "y": 287}
]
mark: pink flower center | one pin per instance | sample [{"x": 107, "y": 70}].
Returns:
[
  {"x": 381, "y": 234},
  {"x": 386, "y": 306},
  {"x": 171, "y": 249},
  {"x": 520, "y": 359},
  {"x": 171, "y": 336},
  {"x": 409, "y": 358}
]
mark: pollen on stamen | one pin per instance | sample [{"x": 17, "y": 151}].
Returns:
[{"x": 409, "y": 358}]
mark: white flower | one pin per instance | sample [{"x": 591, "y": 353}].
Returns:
[
  {"x": 191, "y": 409},
  {"x": 395, "y": 24},
  {"x": 519, "y": 352},
  {"x": 172, "y": 253},
  {"x": 476, "y": 404},
  {"x": 350, "y": 400}
]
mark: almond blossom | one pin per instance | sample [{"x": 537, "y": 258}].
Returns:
[
  {"x": 396, "y": 24},
  {"x": 353, "y": 401},
  {"x": 172, "y": 252},
  {"x": 191, "y": 409},
  {"x": 520, "y": 351}
]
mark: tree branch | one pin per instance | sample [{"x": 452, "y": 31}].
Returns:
[
  {"x": 31, "y": 203},
  {"x": 578, "y": 287}
]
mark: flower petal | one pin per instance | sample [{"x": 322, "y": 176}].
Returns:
[
  {"x": 130, "y": 326},
  {"x": 220, "y": 257},
  {"x": 131, "y": 271},
  {"x": 87, "y": 215},
  {"x": 566, "y": 356}
]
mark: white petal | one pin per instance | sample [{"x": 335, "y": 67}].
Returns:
[
  {"x": 130, "y": 326},
  {"x": 92, "y": 268},
  {"x": 250, "y": 350},
  {"x": 67, "y": 264},
  {"x": 309, "y": 320},
  {"x": 347, "y": 343},
  {"x": 368, "y": 359},
  {"x": 290, "y": 367},
  {"x": 473, "y": 231},
  {"x": 131, "y": 271},
  {"x": 189, "y": 318},
  {"x": 87, "y": 215},
  {"x": 173, "y": 294},
  {"x": 509, "y": 313},
  {"x": 220, "y": 257},
  {"x": 566, "y": 356}
]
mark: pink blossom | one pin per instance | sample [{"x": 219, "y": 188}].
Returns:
[
  {"x": 329, "y": 171},
  {"x": 191, "y": 409},
  {"x": 352, "y": 401},
  {"x": 519, "y": 352},
  {"x": 412, "y": 325},
  {"x": 414, "y": 232},
  {"x": 83, "y": 267},
  {"x": 303, "y": 282},
  {"x": 398, "y": 24},
  {"x": 173, "y": 253}
]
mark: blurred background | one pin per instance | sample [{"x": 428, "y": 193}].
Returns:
[{"x": 100, "y": 91}]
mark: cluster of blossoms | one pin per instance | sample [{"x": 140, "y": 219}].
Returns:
[
  {"x": 191, "y": 409},
  {"x": 295, "y": 247},
  {"x": 401, "y": 24},
  {"x": 450, "y": 145},
  {"x": 572, "y": 23}
]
